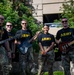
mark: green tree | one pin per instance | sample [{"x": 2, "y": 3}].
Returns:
[
  {"x": 15, "y": 15},
  {"x": 16, "y": 10},
  {"x": 7, "y": 11},
  {"x": 68, "y": 11}
]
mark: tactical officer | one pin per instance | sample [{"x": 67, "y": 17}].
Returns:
[
  {"x": 65, "y": 38},
  {"x": 5, "y": 52},
  {"x": 46, "y": 44}
]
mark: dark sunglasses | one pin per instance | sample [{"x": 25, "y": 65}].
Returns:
[
  {"x": 64, "y": 21},
  {"x": 24, "y": 23},
  {"x": 2, "y": 18},
  {"x": 9, "y": 25}
]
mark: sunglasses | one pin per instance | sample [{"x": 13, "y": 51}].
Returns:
[
  {"x": 9, "y": 25},
  {"x": 64, "y": 21},
  {"x": 2, "y": 18},
  {"x": 24, "y": 23}
]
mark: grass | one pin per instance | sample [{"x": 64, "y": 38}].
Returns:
[
  {"x": 55, "y": 73},
  {"x": 58, "y": 73}
]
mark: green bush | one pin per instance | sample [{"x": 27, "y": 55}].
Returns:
[
  {"x": 58, "y": 73},
  {"x": 55, "y": 73}
]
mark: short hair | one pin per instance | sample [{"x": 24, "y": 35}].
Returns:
[
  {"x": 1, "y": 16},
  {"x": 24, "y": 20},
  {"x": 45, "y": 25},
  {"x": 64, "y": 17},
  {"x": 9, "y": 22}
]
